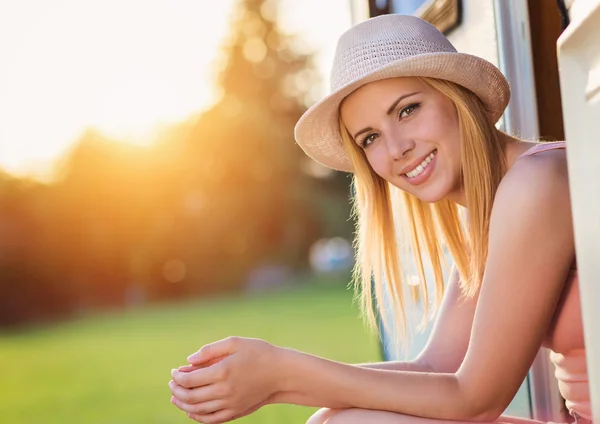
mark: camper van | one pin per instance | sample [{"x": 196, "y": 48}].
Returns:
[{"x": 550, "y": 52}]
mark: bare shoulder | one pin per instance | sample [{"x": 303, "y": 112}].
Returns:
[
  {"x": 533, "y": 202},
  {"x": 541, "y": 177},
  {"x": 530, "y": 251}
]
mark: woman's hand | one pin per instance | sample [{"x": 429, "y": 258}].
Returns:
[{"x": 227, "y": 380}]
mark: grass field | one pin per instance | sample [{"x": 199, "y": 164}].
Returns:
[{"x": 115, "y": 368}]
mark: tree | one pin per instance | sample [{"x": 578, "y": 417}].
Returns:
[
  {"x": 216, "y": 197},
  {"x": 243, "y": 158}
]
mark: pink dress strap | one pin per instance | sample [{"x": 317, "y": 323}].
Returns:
[{"x": 542, "y": 147}]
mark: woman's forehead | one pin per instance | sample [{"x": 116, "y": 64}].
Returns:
[
  {"x": 382, "y": 89},
  {"x": 385, "y": 87}
]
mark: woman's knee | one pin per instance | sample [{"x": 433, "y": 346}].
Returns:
[
  {"x": 322, "y": 416},
  {"x": 361, "y": 416},
  {"x": 347, "y": 416}
]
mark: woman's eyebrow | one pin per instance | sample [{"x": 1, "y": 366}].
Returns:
[
  {"x": 398, "y": 100},
  {"x": 362, "y": 131},
  {"x": 389, "y": 111}
]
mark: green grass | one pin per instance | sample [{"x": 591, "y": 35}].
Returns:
[{"x": 115, "y": 368}]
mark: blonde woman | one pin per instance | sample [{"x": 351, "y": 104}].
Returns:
[{"x": 415, "y": 122}]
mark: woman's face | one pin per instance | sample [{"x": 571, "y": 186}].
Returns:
[{"x": 409, "y": 133}]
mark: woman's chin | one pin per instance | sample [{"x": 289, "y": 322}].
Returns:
[
  {"x": 435, "y": 188},
  {"x": 430, "y": 197},
  {"x": 430, "y": 194}
]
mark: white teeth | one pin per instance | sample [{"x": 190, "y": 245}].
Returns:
[{"x": 421, "y": 167}]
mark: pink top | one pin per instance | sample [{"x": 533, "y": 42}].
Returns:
[{"x": 565, "y": 336}]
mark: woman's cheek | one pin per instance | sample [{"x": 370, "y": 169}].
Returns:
[{"x": 379, "y": 163}]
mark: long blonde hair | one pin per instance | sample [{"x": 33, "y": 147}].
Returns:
[{"x": 394, "y": 227}]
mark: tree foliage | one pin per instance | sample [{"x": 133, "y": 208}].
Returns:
[{"x": 213, "y": 199}]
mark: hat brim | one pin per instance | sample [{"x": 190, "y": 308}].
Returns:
[{"x": 317, "y": 131}]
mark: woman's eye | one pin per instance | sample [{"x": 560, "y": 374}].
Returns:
[
  {"x": 368, "y": 140},
  {"x": 408, "y": 110}
]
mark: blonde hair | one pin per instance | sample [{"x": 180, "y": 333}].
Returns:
[{"x": 393, "y": 226}]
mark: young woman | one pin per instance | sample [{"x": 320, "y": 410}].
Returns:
[{"x": 415, "y": 122}]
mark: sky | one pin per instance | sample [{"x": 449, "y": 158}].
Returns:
[{"x": 122, "y": 66}]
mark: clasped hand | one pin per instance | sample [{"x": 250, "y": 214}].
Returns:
[{"x": 226, "y": 380}]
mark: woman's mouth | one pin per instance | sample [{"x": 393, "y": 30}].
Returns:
[{"x": 422, "y": 171}]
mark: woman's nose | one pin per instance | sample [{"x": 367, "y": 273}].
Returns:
[{"x": 398, "y": 146}]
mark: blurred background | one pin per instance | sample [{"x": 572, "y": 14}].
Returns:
[{"x": 152, "y": 199}]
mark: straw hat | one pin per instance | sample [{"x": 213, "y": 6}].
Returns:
[{"x": 385, "y": 47}]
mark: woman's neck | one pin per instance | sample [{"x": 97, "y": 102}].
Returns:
[{"x": 513, "y": 148}]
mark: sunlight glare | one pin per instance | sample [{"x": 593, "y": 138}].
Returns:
[
  {"x": 124, "y": 67},
  {"x": 133, "y": 109}
]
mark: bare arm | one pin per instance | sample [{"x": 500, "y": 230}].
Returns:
[
  {"x": 449, "y": 337},
  {"x": 443, "y": 353},
  {"x": 531, "y": 248},
  {"x": 530, "y": 251}
]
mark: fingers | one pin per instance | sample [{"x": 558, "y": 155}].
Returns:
[
  {"x": 228, "y": 417},
  {"x": 195, "y": 395},
  {"x": 214, "y": 350},
  {"x": 193, "y": 386},
  {"x": 197, "y": 365},
  {"x": 218, "y": 417},
  {"x": 200, "y": 377},
  {"x": 204, "y": 408},
  {"x": 189, "y": 368}
]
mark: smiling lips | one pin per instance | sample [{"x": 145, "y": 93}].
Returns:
[
  {"x": 417, "y": 170},
  {"x": 421, "y": 172},
  {"x": 421, "y": 167}
]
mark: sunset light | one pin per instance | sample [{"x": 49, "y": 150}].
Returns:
[
  {"x": 121, "y": 66},
  {"x": 124, "y": 67}
]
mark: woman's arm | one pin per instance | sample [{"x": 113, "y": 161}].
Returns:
[
  {"x": 444, "y": 351},
  {"x": 449, "y": 339},
  {"x": 531, "y": 249}
]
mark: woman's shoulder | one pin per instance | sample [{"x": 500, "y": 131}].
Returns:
[
  {"x": 534, "y": 191},
  {"x": 542, "y": 167},
  {"x": 532, "y": 207}
]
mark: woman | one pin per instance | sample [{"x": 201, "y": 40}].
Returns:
[{"x": 414, "y": 120}]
